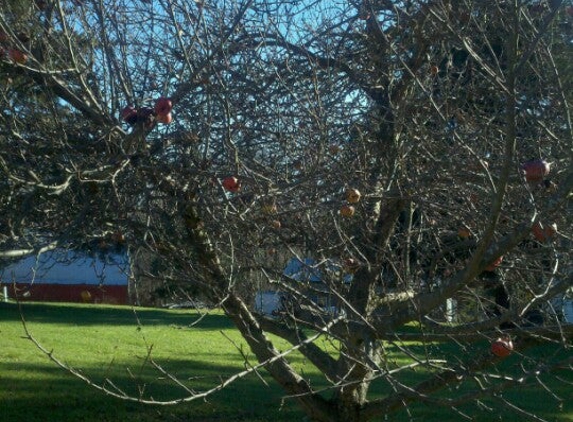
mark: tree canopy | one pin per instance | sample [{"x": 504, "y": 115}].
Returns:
[{"x": 417, "y": 152}]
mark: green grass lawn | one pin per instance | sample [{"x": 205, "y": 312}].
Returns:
[{"x": 105, "y": 342}]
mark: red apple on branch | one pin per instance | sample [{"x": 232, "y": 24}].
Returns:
[
  {"x": 17, "y": 56},
  {"x": 464, "y": 232},
  {"x": 543, "y": 233},
  {"x": 502, "y": 347},
  {"x": 164, "y": 118},
  {"x": 231, "y": 184},
  {"x": 163, "y": 106},
  {"x": 494, "y": 264},
  {"x": 536, "y": 170},
  {"x": 353, "y": 196},
  {"x": 347, "y": 211}
]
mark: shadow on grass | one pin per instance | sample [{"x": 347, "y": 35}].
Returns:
[
  {"x": 41, "y": 392},
  {"x": 35, "y": 393},
  {"x": 547, "y": 395},
  {"x": 60, "y": 313},
  {"x": 34, "y": 389},
  {"x": 45, "y": 393}
]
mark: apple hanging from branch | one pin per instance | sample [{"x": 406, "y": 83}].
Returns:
[
  {"x": 502, "y": 347},
  {"x": 464, "y": 232},
  {"x": 535, "y": 170},
  {"x": 347, "y": 211},
  {"x": 491, "y": 267},
  {"x": 543, "y": 233},
  {"x": 353, "y": 196},
  {"x": 17, "y": 56},
  {"x": 231, "y": 184},
  {"x": 164, "y": 118},
  {"x": 163, "y": 106}
]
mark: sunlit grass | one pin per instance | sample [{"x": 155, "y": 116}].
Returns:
[
  {"x": 117, "y": 347},
  {"x": 109, "y": 343}
]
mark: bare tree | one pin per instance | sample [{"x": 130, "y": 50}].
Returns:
[{"x": 408, "y": 154}]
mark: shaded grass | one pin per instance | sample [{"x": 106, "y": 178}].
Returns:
[
  {"x": 106, "y": 342},
  {"x": 549, "y": 396}
]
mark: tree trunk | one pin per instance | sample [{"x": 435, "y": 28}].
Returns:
[{"x": 357, "y": 369}]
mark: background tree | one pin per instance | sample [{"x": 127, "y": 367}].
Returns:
[{"x": 387, "y": 141}]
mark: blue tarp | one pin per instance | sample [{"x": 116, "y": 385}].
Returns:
[
  {"x": 308, "y": 271},
  {"x": 303, "y": 271}
]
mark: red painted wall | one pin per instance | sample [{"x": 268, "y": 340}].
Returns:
[{"x": 86, "y": 293}]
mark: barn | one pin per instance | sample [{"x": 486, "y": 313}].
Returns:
[{"x": 68, "y": 276}]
